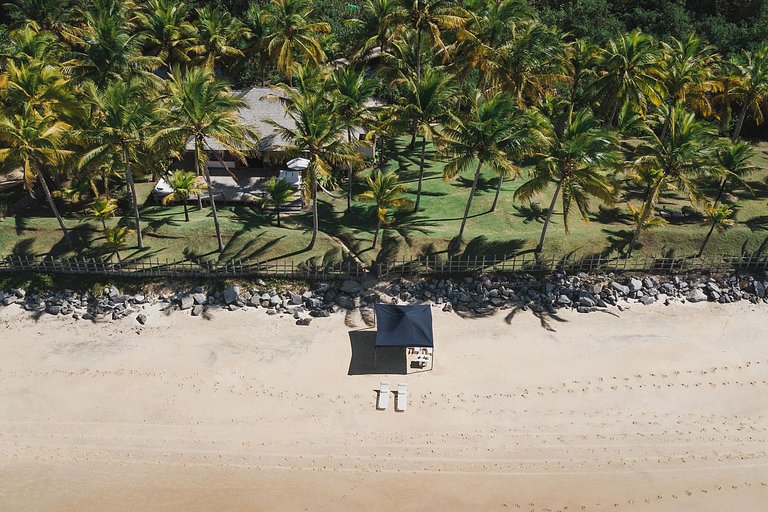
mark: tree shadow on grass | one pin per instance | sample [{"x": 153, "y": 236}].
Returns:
[
  {"x": 82, "y": 237},
  {"x": 611, "y": 215},
  {"x": 532, "y": 213},
  {"x": 480, "y": 246},
  {"x": 250, "y": 249},
  {"x": 759, "y": 223},
  {"x": 23, "y": 248},
  {"x": 483, "y": 184},
  {"x": 619, "y": 240}
]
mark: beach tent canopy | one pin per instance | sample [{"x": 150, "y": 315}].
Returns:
[{"x": 403, "y": 326}]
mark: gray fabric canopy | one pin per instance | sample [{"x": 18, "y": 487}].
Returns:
[{"x": 403, "y": 326}]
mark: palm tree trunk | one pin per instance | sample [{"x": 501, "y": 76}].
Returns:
[
  {"x": 740, "y": 122},
  {"x": 498, "y": 191},
  {"x": 104, "y": 225},
  {"x": 469, "y": 201},
  {"x": 277, "y": 211},
  {"x": 349, "y": 176},
  {"x": 134, "y": 200},
  {"x": 376, "y": 234},
  {"x": 315, "y": 222},
  {"x": 720, "y": 192},
  {"x": 706, "y": 240},
  {"x": 213, "y": 208},
  {"x": 418, "y": 54},
  {"x": 643, "y": 218},
  {"x": 55, "y": 210},
  {"x": 421, "y": 172},
  {"x": 549, "y": 216},
  {"x": 186, "y": 212},
  {"x": 665, "y": 127},
  {"x": 197, "y": 172}
]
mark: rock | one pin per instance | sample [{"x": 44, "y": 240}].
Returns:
[
  {"x": 141, "y": 318},
  {"x": 564, "y": 300},
  {"x": 199, "y": 289},
  {"x": 635, "y": 285},
  {"x": 620, "y": 288},
  {"x": 595, "y": 289},
  {"x": 304, "y": 321},
  {"x": 307, "y": 295},
  {"x": 464, "y": 297},
  {"x": 295, "y": 299},
  {"x": 320, "y": 313},
  {"x": 233, "y": 307},
  {"x": 350, "y": 287},
  {"x": 200, "y": 298},
  {"x": 271, "y": 311},
  {"x": 53, "y": 310},
  {"x": 19, "y": 292},
  {"x": 586, "y": 309},
  {"x": 261, "y": 282},
  {"x": 696, "y": 295},
  {"x": 275, "y": 300},
  {"x": 448, "y": 307},
  {"x": 253, "y": 301},
  {"x": 186, "y": 301},
  {"x": 712, "y": 287},
  {"x": 139, "y": 298},
  {"x": 647, "y": 300},
  {"x": 760, "y": 289},
  {"x": 197, "y": 310},
  {"x": 587, "y": 301},
  {"x": 345, "y": 301},
  {"x": 231, "y": 294}
]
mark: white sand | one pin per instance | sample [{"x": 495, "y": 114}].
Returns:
[{"x": 663, "y": 409}]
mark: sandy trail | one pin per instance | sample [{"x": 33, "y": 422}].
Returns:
[{"x": 660, "y": 409}]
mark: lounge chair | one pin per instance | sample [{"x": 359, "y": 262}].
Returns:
[
  {"x": 382, "y": 402},
  {"x": 401, "y": 400}
]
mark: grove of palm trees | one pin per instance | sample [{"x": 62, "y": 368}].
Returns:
[{"x": 430, "y": 127}]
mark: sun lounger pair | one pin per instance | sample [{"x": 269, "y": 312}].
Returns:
[{"x": 401, "y": 400}]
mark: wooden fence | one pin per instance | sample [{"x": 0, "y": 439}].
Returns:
[
  {"x": 531, "y": 263},
  {"x": 525, "y": 263},
  {"x": 160, "y": 269}
]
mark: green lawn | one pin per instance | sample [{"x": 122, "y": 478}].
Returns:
[{"x": 250, "y": 234}]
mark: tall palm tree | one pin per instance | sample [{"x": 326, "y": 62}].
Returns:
[
  {"x": 292, "y": 35},
  {"x": 754, "y": 87},
  {"x": 217, "y": 33},
  {"x": 687, "y": 75},
  {"x": 728, "y": 82},
  {"x": 735, "y": 161},
  {"x": 478, "y": 139},
  {"x": 199, "y": 106},
  {"x": 426, "y": 103},
  {"x": 352, "y": 91},
  {"x": 101, "y": 209},
  {"x": 185, "y": 184},
  {"x": 686, "y": 153},
  {"x": 317, "y": 134},
  {"x": 30, "y": 43},
  {"x": 279, "y": 192},
  {"x": 578, "y": 160},
  {"x": 169, "y": 33},
  {"x": 378, "y": 20},
  {"x": 122, "y": 116},
  {"x": 38, "y": 86},
  {"x": 717, "y": 217},
  {"x": 429, "y": 19},
  {"x": 629, "y": 70},
  {"x": 35, "y": 143},
  {"x": 386, "y": 193}
]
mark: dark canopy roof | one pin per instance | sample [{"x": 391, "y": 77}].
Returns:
[{"x": 403, "y": 326}]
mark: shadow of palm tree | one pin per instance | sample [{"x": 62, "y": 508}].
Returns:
[
  {"x": 611, "y": 215},
  {"x": 545, "y": 315},
  {"x": 483, "y": 184},
  {"x": 532, "y": 213},
  {"x": 480, "y": 246},
  {"x": 619, "y": 240},
  {"x": 759, "y": 223},
  {"x": 82, "y": 237},
  {"x": 23, "y": 248}
]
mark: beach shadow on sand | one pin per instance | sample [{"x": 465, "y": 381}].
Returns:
[{"x": 368, "y": 361}]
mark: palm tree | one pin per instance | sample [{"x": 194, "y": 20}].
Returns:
[
  {"x": 38, "y": 86},
  {"x": 686, "y": 153},
  {"x": 101, "y": 209},
  {"x": 352, "y": 90},
  {"x": 379, "y": 19},
  {"x": 35, "y": 143},
  {"x": 169, "y": 33},
  {"x": 429, "y": 18},
  {"x": 317, "y": 134},
  {"x": 279, "y": 192},
  {"x": 728, "y": 82},
  {"x": 293, "y": 37},
  {"x": 185, "y": 184},
  {"x": 217, "y": 33},
  {"x": 687, "y": 75},
  {"x": 121, "y": 116},
  {"x": 386, "y": 193},
  {"x": 115, "y": 240},
  {"x": 578, "y": 161},
  {"x": 478, "y": 138},
  {"x": 426, "y": 103},
  {"x": 754, "y": 87},
  {"x": 629, "y": 71},
  {"x": 735, "y": 160},
  {"x": 717, "y": 217},
  {"x": 199, "y": 106}
]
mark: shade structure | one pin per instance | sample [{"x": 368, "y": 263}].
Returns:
[{"x": 403, "y": 326}]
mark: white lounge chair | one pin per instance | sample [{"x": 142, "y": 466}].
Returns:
[
  {"x": 401, "y": 400},
  {"x": 382, "y": 402}
]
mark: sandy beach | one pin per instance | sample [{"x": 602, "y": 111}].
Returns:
[{"x": 652, "y": 409}]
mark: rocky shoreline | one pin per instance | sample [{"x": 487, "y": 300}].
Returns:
[{"x": 477, "y": 296}]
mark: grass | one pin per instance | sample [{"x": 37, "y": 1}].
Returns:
[{"x": 250, "y": 234}]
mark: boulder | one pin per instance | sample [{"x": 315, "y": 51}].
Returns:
[
  {"x": 197, "y": 310},
  {"x": 304, "y": 321},
  {"x": 647, "y": 300},
  {"x": 696, "y": 295},
  {"x": 295, "y": 299},
  {"x": 620, "y": 288},
  {"x": 351, "y": 287},
  {"x": 53, "y": 310},
  {"x": 345, "y": 301},
  {"x": 760, "y": 289},
  {"x": 587, "y": 301},
  {"x": 200, "y": 298},
  {"x": 564, "y": 300},
  {"x": 635, "y": 285},
  {"x": 320, "y": 313},
  {"x": 186, "y": 301},
  {"x": 141, "y": 318},
  {"x": 139, "y": 298},
  {"x": 448, "y": 307},
  {"x": 275, "y": 300},
  {"x": 231, "y": 294}
]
